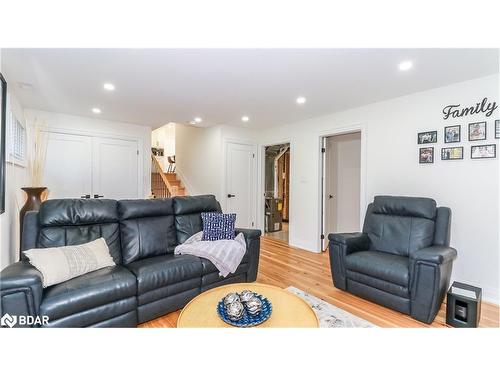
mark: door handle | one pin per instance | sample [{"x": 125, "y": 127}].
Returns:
[
  {"x": 85, "y": 196},
  {"x": 98, "y": 196},
  {"x": 330, "y": 196},
  {"x": 231, "y": 195}
]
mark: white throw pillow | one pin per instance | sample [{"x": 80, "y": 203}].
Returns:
[{"x": 58, "y": 264}]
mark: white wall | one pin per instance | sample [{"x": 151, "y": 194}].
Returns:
[
  {"x": 88, "y": 125},
  {"x": 200, "y": 157},
  {"x": 469, "y": 187}
]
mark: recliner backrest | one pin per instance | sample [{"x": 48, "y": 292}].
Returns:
[
  {"x": 188, "y": 211},
  {"x": 400, "y": 225},
  {"x": 64, "y": 222},
  {"x": 147, "y": 228}
]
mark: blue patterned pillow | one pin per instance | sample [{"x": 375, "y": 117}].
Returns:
[{"x": 218, "y": 226}]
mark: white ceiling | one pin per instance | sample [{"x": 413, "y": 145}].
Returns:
[{"x": 156, "y": 86}]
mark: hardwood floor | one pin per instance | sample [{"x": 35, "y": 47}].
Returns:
[{"x": 284, "y": 266}]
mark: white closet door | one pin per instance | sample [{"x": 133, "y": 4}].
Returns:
[
  {"x": 68, "y": 165},
  {"x": 240, "y": 183},
  {"x": 115, "y": 168}
]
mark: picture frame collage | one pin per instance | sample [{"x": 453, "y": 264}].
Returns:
[{"x": 476, "y": 131}]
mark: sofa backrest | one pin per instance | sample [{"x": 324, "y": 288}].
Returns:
[
  {"x": 133, "y": 229},
  {"x": 402, "y": 225},
  {"x": 147, "y": 228},
  {"x": 63, "y": 222},
  {"x": 187, "y": 211}
]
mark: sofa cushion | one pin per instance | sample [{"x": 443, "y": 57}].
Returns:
[
  {"x": 65, "y": 222},
  {"x": 157, "y": 272},
  {"x": 391, "y": 231},
  {"x": 147, "y": 228},
  {"x": 60, "y": 212},
  {"x": 384, "y": 266},
  {"x": 405, "y": 206},
  {"x": 188, "y": 211},
  {"x": 85, "y": 292}
]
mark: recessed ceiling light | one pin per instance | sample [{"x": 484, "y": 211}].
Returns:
[
  {"x": 109, "y": 87},
  {"x": 405, "y": 65},
  {"x": 198, "y": 120},
  {"x": 245, "y": 119},
  {"x": 96, "y": 110},
  {"x": 301, "y": 100}
]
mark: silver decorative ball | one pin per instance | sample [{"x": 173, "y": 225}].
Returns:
[
  {"x": 230, "y": 298},
  {"x": 254, "y": 306},
  {"x": 246, "y": 295},
  {"x": 235, "y": 310}
]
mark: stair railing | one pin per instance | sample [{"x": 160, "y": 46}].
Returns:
[{"x": 160, "y": 185}]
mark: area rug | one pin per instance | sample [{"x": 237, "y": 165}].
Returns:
[{"x": 330, "y": 316}]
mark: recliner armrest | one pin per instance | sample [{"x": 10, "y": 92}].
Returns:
[
  {"x": 21, "y": 289},
  {"x": 252, "y": 239},
  {"x": 248, "y": 233},
  {"x": 435, "y": 254},
  {"x": 353, "y": 241}
]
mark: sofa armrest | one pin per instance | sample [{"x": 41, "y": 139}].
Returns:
[
  {"x": 252, "y": 239},
  {"x": 353, "y": 241},
  {"x": 435, "y": 254},
  {"x": 430, "y": 274},
  {"x": 20, "y": 290},
  {"x": 341, "y": 245}
]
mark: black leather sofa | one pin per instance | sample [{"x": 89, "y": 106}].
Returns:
[
  {"x": 401, "y": 260},
  {"x": 148, "y": 280}
]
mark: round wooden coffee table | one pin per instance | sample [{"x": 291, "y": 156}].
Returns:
[{"x": 289, "y": 310}]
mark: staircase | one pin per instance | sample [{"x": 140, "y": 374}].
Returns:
[{"x": 164, "y": 185}]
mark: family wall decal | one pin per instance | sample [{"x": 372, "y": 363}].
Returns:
[{"x": 455, "y": 110}]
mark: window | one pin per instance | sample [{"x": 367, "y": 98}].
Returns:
[{"x": 17, "y": 140}]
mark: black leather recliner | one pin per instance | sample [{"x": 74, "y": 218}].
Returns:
[
  {"x": 402, "y": 260},
  {"x": 148, "y": 280}
]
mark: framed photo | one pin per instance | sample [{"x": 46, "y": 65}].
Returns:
[
  {"x": 452, "y": 134},
  {"x": 497, "y": 129},
  {"x": 427, "y": 137},
  {"x": 477, "y": 131},
  {"x": 3, "y": 120},
  {"x": 426, "y": 155},
  {"x": 483, "y": 152},
  {"x": 452, "y": 153}
]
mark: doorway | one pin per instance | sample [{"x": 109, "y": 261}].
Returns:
[
  {"x": 277, "y": 191},
  {"x": 341, "y": 184}
]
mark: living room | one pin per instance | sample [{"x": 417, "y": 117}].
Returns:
[{"x": 268, "y": 186}]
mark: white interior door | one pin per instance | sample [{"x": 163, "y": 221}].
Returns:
[
  {"x": 115, "y": 168},
  {"x": 68, "y": 166},
  {"x": 240, "y": 183},
  {"x": 342, "y": 183}
]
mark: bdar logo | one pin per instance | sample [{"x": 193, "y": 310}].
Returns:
[{"x": 8, "y": 320}]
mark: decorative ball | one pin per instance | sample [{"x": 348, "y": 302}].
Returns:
[
  {"x": 230, "y": 298},
  {"x": 246, "y": 295},
  {"x": 254, "y": 306},
  {"x": 235, "y": 310}
]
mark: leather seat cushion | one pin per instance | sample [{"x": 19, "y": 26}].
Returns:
[
  {"x": 386, "y": 286},
  {"x": 160, "y": 271},
  {"x": 384, "y": 266},
  {"x": 85, "y": 292}
]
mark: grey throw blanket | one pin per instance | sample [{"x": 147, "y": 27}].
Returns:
[{"x": 226, "y": 255}]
